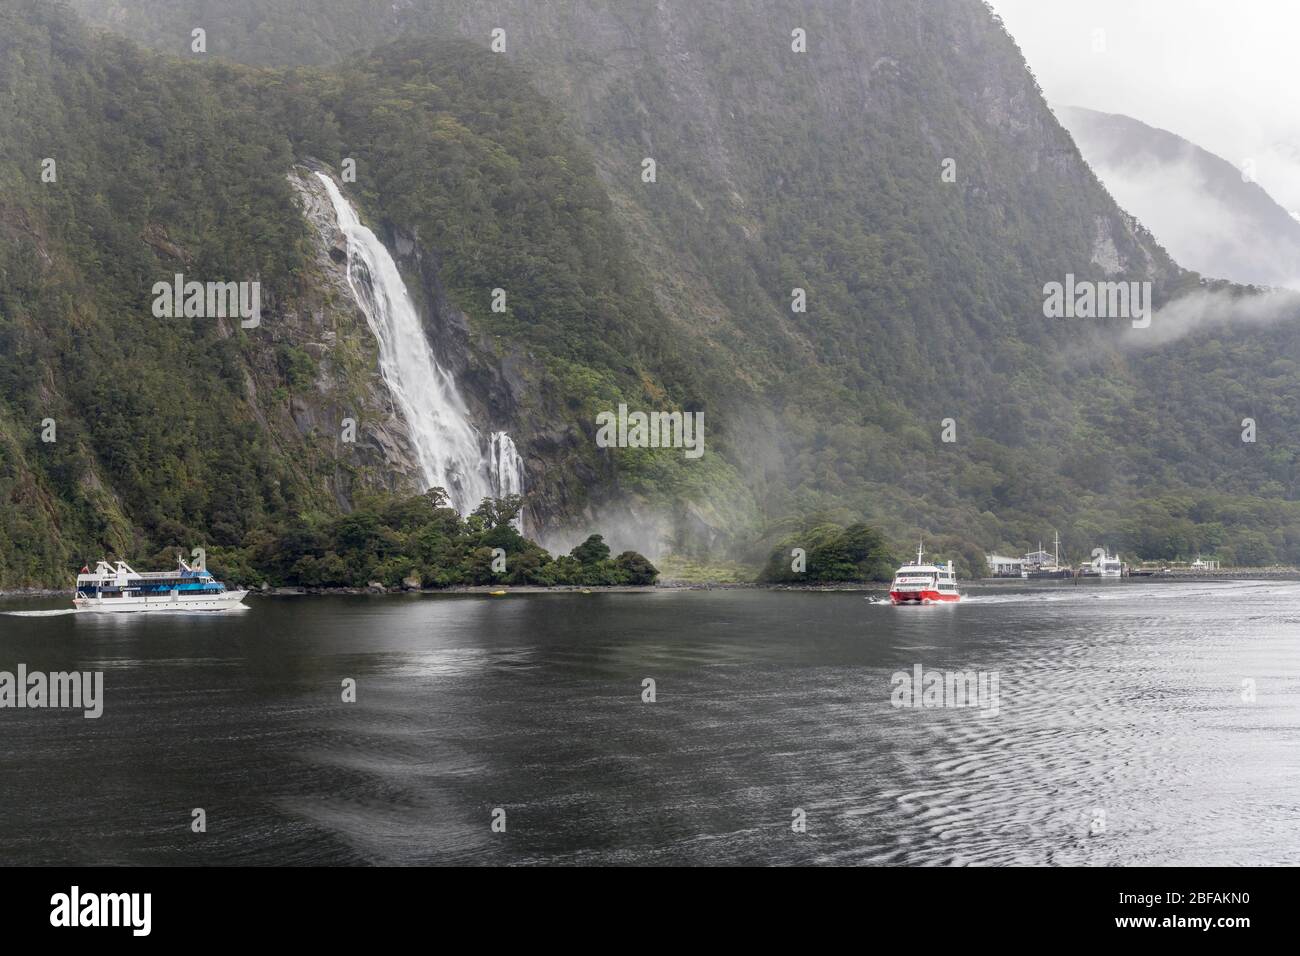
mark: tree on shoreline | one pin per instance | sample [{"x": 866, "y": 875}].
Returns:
[{"x": 389, "y": 539}]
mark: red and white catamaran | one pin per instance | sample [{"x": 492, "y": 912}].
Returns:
[{"x": 921, "y": 583}]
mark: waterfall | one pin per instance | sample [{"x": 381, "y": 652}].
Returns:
[
  {"x": 507, "y": 467},
  {"x": 449, "y": 448}
]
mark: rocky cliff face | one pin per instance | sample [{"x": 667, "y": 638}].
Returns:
[
  {"x": 503, "y": 385},
  {"x": 348, "y": 382},
  {"x": 498, "y": 379},
  {"x": 899, "y": 177},
  {"x": 777, "y": 169}
]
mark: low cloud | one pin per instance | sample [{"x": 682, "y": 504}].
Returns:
[
  {"x": 1215, "y": 308},
  {"x": 1199, "y": 230}
]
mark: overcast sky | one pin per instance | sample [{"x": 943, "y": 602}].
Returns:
[{"x": 1224, "y": 74}]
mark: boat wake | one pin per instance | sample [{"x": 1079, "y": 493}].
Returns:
[
  {"x": 1024, "y": 598},
  {"x": 57, "y": 612},
  {"x": 1133, "y": 592}
]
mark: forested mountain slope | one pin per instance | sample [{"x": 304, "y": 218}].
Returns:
[
  {"x": 170, "y": 431},
  {"x": 775, "y": 171}
]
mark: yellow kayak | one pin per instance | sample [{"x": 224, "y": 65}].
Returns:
[{"x": 497, "y": 593}]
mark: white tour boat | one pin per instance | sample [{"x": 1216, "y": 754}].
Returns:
[
  {"x": 1108, "y": 565},
  {"x": 921, "y": 583},
  {"x": 119, "y": 588}
]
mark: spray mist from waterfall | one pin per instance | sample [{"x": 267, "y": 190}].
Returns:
[{"x": 449, "y": 448}]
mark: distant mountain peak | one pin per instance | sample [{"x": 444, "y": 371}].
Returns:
[{"x": 1209, "y": 213}]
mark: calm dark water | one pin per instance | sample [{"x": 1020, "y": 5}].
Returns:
[{"x": 1123, "y": 698}]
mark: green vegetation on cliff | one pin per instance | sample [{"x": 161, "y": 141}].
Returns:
[
  {"x": 193, "y": 431},
  {"x": 155, "y": 437},
  {"x": 776, "y": 171}
]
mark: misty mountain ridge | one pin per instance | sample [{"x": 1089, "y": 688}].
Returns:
[{"x": 1202, "y": 208}]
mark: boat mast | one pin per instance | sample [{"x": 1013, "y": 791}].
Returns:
[
  {"x": 1057, "y": 562},
  {"x": 919, "y": 552}
]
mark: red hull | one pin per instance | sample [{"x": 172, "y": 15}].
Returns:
[{"x": 922, "y": 597}]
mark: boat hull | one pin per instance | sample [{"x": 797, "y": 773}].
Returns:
[
  {"x": 926, "y": 596},
  {"x": 164, "y": 602}
]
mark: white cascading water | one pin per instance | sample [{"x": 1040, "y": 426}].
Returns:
[
  {"x": 447, "y": 444},
  {"x": 506, "y": 469}
]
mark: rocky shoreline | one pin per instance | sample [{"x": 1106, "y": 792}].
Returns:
[
  {"x": 857, "y": 586},
  {"x": 671, "y": 585},
  {"x": 508, "y": 589}
]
